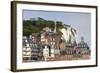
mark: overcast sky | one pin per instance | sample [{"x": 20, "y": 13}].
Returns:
[{"x": 79, "y": 21}]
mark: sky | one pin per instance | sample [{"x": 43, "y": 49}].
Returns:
[{"x": 79, "y": 21}]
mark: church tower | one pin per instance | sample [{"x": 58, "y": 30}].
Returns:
[{"x": 55, "y": 27}]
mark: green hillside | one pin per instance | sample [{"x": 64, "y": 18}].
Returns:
[{"x": 34, "y": 26}]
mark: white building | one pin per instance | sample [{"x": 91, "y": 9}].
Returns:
[{"x": 26, "y": 51}]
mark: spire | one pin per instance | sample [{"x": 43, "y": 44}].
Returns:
[
  {"x": 82, "y": 39},
  {"x": 55, "y": 27}
]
